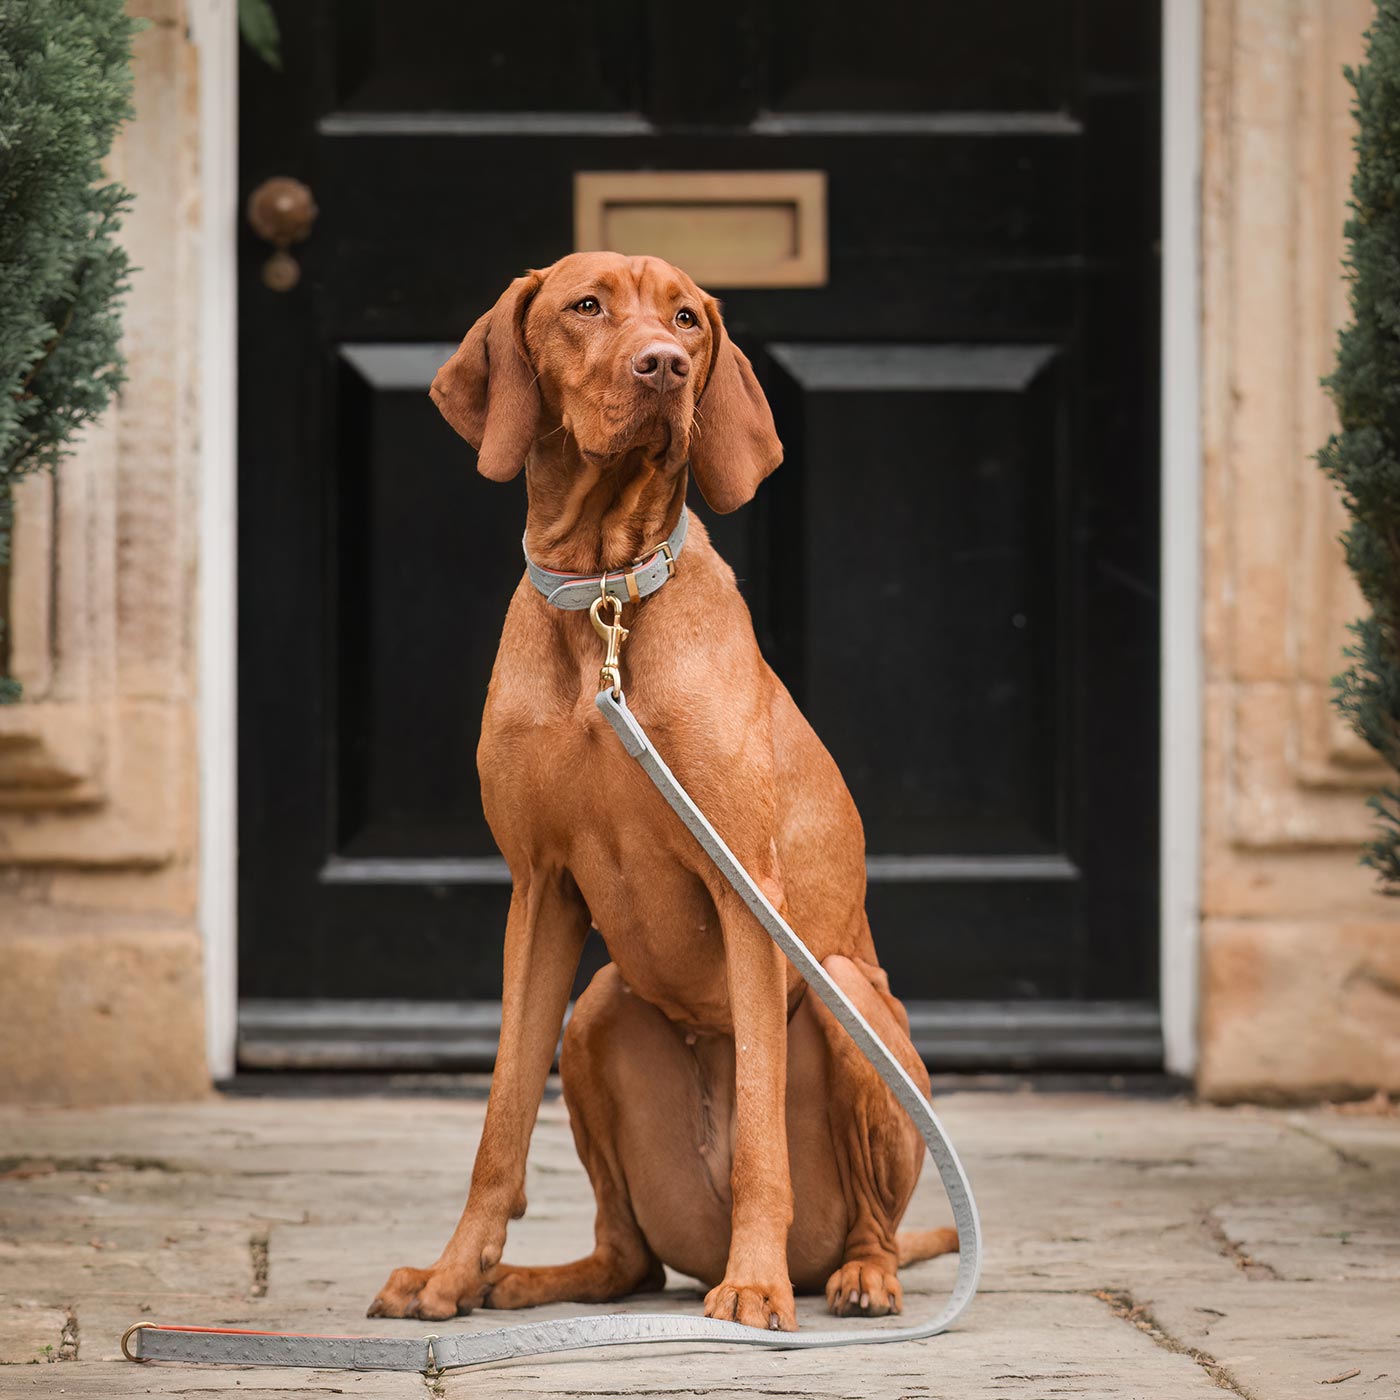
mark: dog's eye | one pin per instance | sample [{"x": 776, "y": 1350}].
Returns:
[
  {"x": 685, "y": 318},
  {"x": 588, "y": 306}
]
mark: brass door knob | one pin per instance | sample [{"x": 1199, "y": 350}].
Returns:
[{"x": 281, "y": 211}]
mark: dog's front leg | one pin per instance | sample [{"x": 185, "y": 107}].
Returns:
[
  {"x": 756, "y": 1288},
  {"x": 544, "y": 938}
]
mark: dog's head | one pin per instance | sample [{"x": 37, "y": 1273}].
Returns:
[{"x": 623, "y": 354}]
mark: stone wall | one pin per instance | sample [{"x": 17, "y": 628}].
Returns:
[
  {"x": 101, "y": 991},
  {"x": 1300, "y": 954}
]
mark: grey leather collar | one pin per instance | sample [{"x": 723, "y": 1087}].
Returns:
[{"x": 574, "y": 592}]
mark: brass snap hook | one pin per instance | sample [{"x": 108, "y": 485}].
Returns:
[
  {"x": 604, "y": 629},
  {"x": 614, "y": 634}
]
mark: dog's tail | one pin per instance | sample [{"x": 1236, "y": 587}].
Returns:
[{"x": 917, "y": 1245}]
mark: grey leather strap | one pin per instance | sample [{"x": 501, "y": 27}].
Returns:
[
  {"x": 574, "y": 592},
  {"x": 230, "y": 1347},
  {"x": 430, "y": 1354}
]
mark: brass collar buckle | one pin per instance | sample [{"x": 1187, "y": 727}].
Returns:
[
  {"x": 630, "y": 577},
  {"x": 664, "y": 548}
]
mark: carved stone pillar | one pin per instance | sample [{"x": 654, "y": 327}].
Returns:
[
  {"x": 101, "y": 995},
  {"x": 1300, "y": 955}
]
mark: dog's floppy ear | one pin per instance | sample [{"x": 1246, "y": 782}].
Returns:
[
  {"x": 733, "y": 444},
  {"x": 487, "y": 389}
]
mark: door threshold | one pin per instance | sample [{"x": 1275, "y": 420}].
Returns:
[{"x": 458, "y": 1036}]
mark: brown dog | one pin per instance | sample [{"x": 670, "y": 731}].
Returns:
[{"x": 706, "y": 1094}]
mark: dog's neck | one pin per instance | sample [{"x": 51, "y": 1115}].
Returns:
[{"x": 588, "y": 514}]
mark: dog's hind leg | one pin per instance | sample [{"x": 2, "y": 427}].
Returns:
[
  {"x": 621, "y": 1262},
  {"x": 879, "y": 1151}
]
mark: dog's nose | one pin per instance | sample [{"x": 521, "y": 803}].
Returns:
[{"x": 661, "y": 364}]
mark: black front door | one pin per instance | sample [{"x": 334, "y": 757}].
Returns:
[{"x": 955, "y": 571}]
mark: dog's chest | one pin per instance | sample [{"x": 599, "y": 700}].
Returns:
[{"x": 565, "y": 794}]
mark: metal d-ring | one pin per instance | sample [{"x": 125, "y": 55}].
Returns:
[{"x": 126, "y": 1336}]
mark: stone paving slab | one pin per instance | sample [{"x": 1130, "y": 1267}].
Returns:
[
  {"x": 1134, "y": 1248},
  {"x": 1044, "y": 1344}
]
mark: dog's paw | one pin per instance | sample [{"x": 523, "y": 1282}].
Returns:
[
  {"x": 430, "y": 1294},
  {"x": 769, "y": 1306},
  {"x": 864, "y": 1288},
  {"x": 507, "y": 1286}
]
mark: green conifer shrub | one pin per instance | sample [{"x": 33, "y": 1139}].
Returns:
[
  {"x": 1364, "y": 456},
  {"x": 65, "y": 88}
]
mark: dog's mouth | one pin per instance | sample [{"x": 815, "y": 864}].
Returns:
[{"x": 659, "y": 435}]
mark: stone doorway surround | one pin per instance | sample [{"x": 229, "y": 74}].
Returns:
[
  {"x": 117, "y": 925},
  {"x": 1300, "y": 956},
  {"x": 102, "y": 989}
]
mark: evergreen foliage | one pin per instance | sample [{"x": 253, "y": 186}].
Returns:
[
  {"x": 65, "y": 88},
  {"x": 257, "y": 24},
  {"x": 1364, "y": 457}
]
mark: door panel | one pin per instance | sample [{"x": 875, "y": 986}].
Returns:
[
  {"x": 924, "y": 58},
  {"x": 955, "y": 571},
  {"x": 929, "y": 484},
  {"x": 424, "y": 559}
]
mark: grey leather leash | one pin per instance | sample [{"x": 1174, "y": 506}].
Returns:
[{"x": 149, "y": 1342}]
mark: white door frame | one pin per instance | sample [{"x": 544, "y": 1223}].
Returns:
[
  {"x": 1182, "y": 671},
  {"x": 215, "y": 29}
]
